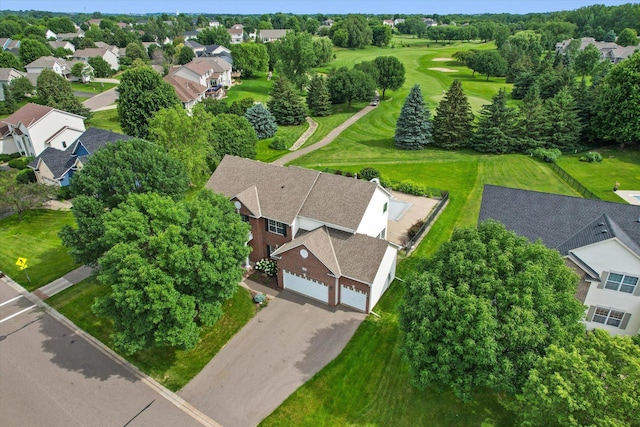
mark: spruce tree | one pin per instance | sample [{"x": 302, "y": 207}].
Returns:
[
  {"x": 453, "y": 123},
  {"x": 285, "y": 104},
  {"x": 9, "y": 103},
  {"x": 562, "y": 115},
  {"x": 318, "y": 99},
  {"x": 262, "y": 121},
  {"x": 413, "y": 128},
  {"x": 532, "y": 121},
  {"x": 496, "y": 128}
]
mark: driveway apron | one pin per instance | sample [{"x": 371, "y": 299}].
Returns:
[{"x": 281, "y": 348}]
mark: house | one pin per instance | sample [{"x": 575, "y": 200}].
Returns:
[
  {"x": 272, "y": 35},
  {"x": 237, "y": 35},
  {"x": 189, "y": 35},
  {"x": 189, "y": 92},
  {"x": 94, "y": 21},
  {"x": 326, "y": 232},
  {"x": 328, "y": 22},
  {"x": 430, "y": 22},
  {"x": 56, "y": 167},
  {"x": 197, "y": 48},
  {"x": 106, "y": 53},
  {"x": 33, "y": 128},
  {"x": 388, "y": 22},
  {"x": 62, "y": 44},
  {"x": 608, "y": 50},
  {"x": 620, "y": 53},
  {"x": 6, "y": 76},
  {"x": 216, "y": 50},
  {"x": 50, "y": 35},
  {"x": 58, "y": 65},
  {"x": 69, "y": 36},
  {"x": 599, "y": 240},
  {"x": 398, "y": 21},
  {"x": 206, "y": 71},
  {"x": 9, "y": 45},
  {"x": 214, "y": 24}
]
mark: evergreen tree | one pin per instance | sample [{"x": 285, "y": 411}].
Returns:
[
  {"x": 318, "y": 99},
  {"x": 496, "y": 128},
  {"x": 583, "y": 95},
  {"x": 532, "y": 121},
  {"x": 262, "y": 121},
  {"x": 9, "y": 103},
  {"x": 453, "y": 123},
  {"x": 413, "y": 129},
  {"x": 562, "y": 115},
  {"x": 55, "y": 91},
  {"x": 285, "y": 104}
]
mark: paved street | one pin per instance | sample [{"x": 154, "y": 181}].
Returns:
[
  {"x": 102, "y": 101},
  {"x": 281, "y": 348},
  {"x": 52, "y": 375}
]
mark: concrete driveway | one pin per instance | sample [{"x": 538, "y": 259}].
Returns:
[{"x": 282, "y": 347}]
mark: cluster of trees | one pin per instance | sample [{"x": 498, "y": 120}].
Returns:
[
  {"x": 471, "y": 319},
  {"x": 19, "y": 192},
  {"x": 14, "y": 92},
  {"x": 171, "y": 263}
]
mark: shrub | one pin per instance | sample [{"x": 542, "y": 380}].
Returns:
[
  {"x": 278, "y": 144},
  {"x": 369, "y": 173},
  {"x": 20, "y": 163},
  {"x": 348, "y": 174},
  {"x": 591, "y": 157},
  {"x": 267, "y": 266},
  {"x": 413, "y": 230},
  {"x": 338, "y": 172},
  {"x": 26, "y": 176},
  {"x": 64, "y": 193},
  {"x": 409, "y": 187},
  {"x": 548, "y": 155}
]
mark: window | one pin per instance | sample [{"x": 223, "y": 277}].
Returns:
[
  {"x": 621, "y": 282},
  {"x": 384, "y": 208},
  {"x": 64, "y": 144},
  {"x": 383, "y": 234},
  {"x": 608, "y": 317},
  {"x": 276, "y": 227},
  {"x": 245, "y": 218}
]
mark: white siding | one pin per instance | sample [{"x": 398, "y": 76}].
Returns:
[
  {"x": 52, "y": 123},
  {"x": 375, "y": 217},
  {"x": 309, "y": 224},
  {"x": 608, "y": 256},
  {"x": 8, "y": 145},
  {"x": 385, "y": 275}
]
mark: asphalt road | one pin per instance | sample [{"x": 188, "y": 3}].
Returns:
[{"x": 52, "y": 375}]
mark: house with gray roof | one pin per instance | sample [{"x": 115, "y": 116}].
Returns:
[
  {"x": 267, "y": 36},
  {"x": 608, "y": 50},
  {"x": 56, "y": 167},
  {"x": 326, "y": 232},
  {"x": 6, "y": 76},
  {"x": 599, "y": 240}
]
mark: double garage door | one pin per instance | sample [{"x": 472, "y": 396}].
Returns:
[{"x": 320, "y": 291}]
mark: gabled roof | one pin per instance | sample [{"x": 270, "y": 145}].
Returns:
[
  {"x": 561, "y": 222},
  {"x": 249, "y": 198},
  {"x": 58, "y": 161},
  {"x": 90, "y": 52},
  {"x": 193, "y": 44},
  {"x": 235, "y": 31},
  {"x": 186, "y": 90},
  {"x": 93, "y": 139},
  {"x": 5, "y": 73},
  {"x": 198, "y": 66},
  {"x": 355, "y": 256},
  {"x": 272, "y": 34},
  {"x": 28, "y": 115},
  {"x": 46, "y": 61}
]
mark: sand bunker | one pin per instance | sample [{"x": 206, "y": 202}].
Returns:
[
  {"x": 442, "y": 59},
  {"x": 444, "y": 70}
]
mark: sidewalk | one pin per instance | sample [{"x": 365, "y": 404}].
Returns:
[
  {"x": 63, "y": 283},
  {"x": 313, "y": 125}
]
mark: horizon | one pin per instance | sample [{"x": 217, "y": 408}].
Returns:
[{"x": 296, "y": 7}]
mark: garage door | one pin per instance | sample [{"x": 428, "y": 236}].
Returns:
[
  {"x": 353, "y": 298},
  {"x": 307, "y": 287}
]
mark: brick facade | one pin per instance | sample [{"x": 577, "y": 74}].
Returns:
[{"x": 310, "y": 267}]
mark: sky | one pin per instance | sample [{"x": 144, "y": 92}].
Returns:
[{"x": 246, "y": 7}]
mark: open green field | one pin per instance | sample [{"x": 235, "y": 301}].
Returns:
[
  {"x": 36, "y": 239},
  {"x": 617, "y": 165},
  {"x": 172, "y": 368},
  {"x": 257, "y": 87},
  {"x": 105, "y": 119}
]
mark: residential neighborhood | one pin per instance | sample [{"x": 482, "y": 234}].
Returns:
[{"x": 399, "y": 214}]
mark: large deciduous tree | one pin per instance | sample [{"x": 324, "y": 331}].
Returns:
[
  {"x": 359, "y": 33},
  {"x": 233, "y": 135},
  {"x": 285, "y": 105},
  {"x": 262, "y": 121},
  {"x": 347, "y": 85},
  {"x": 453, "y": 123},
  {"x": 628, "y": 37},
  {"x": 323, "y": 48},
  {"x": 55, "y": 91},
  {"x": 496, "y": 128},
  {"x": 101, "y": 68},
  {"x": 381, "y": 35},
  {"x": 490, "y": 63},
  {"x": 9, "y": 60},
  {"x": 109, "y": 176},
  {"x": 414, "y": 127},
  {"x": 30, "y": 50},
  {"x": 391, "y": 73},
  {"x": 142, "y": 92},
  {"x": 186, "y": 55},
  {"x": 296, "y": 56},
  {"x": 250, "y": 58},
  {"x": 171, "y": 266},
  {"x": 483, "y": 310},
  {"x": 214, "y": 35},
  {"x": 586, "y": 59},
  {"x": 22, "y": 197},
  {"x": 593, "y": 382},
  {"x": 318, "y": 99}
]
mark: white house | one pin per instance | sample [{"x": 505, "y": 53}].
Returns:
[
  {"x": 189, "y": 92},
  {"x": 106, "y": 53},
  {"x": 33, "y": 128},
  {"x": 271, "y": 35},
  {"x": 326, "y": 232},
  {"x": 50, "y": 35},
  {"x": 599, "y": 240},
  {"x": 58, "y": 65},
  {"x": 6, "y": 76},
  {"x": 206, "y": 71},
  {"x": 63, "y": 44},
  {"x": 237, "y": 34}
]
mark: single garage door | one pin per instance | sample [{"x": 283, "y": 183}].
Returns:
[
  {"x": 353, "y": 298},
  {"x": 307, "y": 287}
]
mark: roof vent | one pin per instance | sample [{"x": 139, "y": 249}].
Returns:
[
  {"x": 604, "y": 231},
  {"x": 601, "y": 224}
]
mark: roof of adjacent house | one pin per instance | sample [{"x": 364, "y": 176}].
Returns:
[
  {"x": 90, "y": 52},
  {"x": 186, "y": 90},
  {"x": 5, "y": 73},
  {"x": 235, "y": 31},
  {"x": 561, "y": 222},
  {"x": 272, "y": 34},
  {"x": 282, "y": 193},
  {"x": 62, "y": 36},
  {"x": 193, "y": 44},
  {"x": 46, "y": 61},
  {"x": 198, "y": 66},
  {"x": 55, "y": 45},
  {"x": 28, "y": 115},
  {"x": 356, "y": 256}
]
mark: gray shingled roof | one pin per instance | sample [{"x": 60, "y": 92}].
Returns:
[
  {"x": 561, "y": 222},
  {"x": 58, "y": 161},
  {"x": 93, "y": 139}
]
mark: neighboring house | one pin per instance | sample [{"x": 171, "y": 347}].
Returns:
[
  {"x": 599, "y": 240},
  {"x": 58, "y": 65},
  {"x": 69, "y": 36},
  {"x": 9, "y": 45},
  {"x": 6, "y": 75},
  {"x": 197, "y": 48},
  {"x": 56, "y": 167},
  {"x": 237, "y": 35},
  {"x": 326, "y": 232},
  {"x": 398, "y": 21},
  {"x": 328, "y": 22},
  {"x": 206, "y": 71},
  {"x": 216, "y": 50},
  {"x": 620, "y": 53},
  {"x": 188, "y": 35},
  {"x": 608, "y": 50},
  {"x": 189, "y": 92},
  {"x": 214, "y": 24},
  {"x": 430, "y": 22},
  {"x": 106, "y": 53},
  {"x": 33, "y": 128},
  {"x": 63, "y": 44},
  {"x": 94, "y": 21},
  {"x": 388, "y": 22},
  {"x": 267, "y": 36},
  {"x": 50, "y": 35}
]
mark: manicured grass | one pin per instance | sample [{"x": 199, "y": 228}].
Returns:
[
  {"x": 35, "y": 238},
  {"x": 172, "y": 368},
  {"x": 288, "y": 134},
  {"x": 617, "y": 165},
  {"x": 257, "y": 87},
  {"x": 93, "y": 87},
  {"x": 105, "y": 119},
  {"x": 341, "y": 112}
]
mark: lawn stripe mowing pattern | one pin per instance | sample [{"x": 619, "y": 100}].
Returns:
[{"x": 35, "y": 238}]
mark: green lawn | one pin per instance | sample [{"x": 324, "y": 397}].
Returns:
[
  {"x": 288, "y": 134},
  {"x": 92, "y": 87},
  {"x": 35, "y": 238},
  {"x": 257, "y": 88},
  {"x": 172, "y": 368},
  {"x": 105, "y": 119},
  {"x": 617, "y": 165}
]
